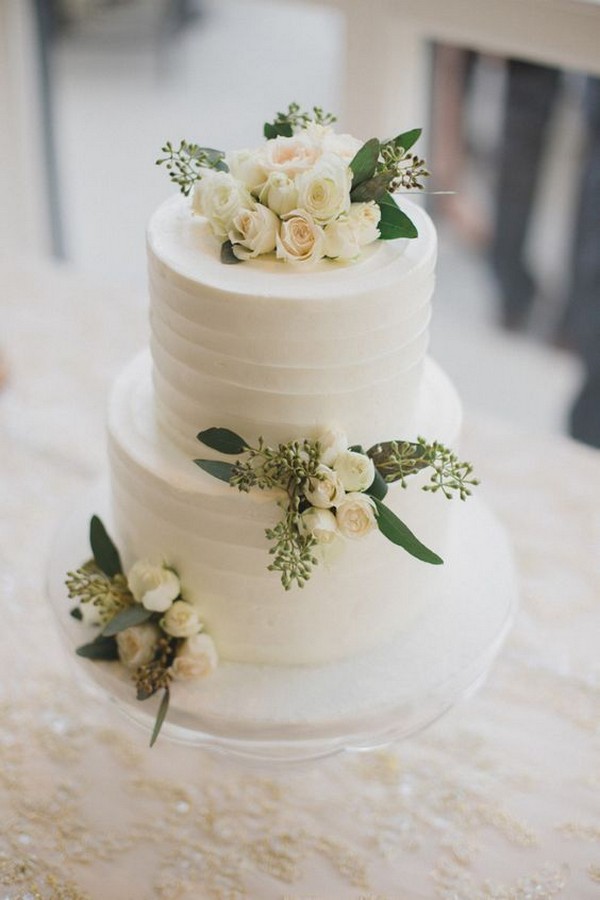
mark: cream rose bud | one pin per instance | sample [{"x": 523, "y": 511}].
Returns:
[
  {"x": 153, "y": 585},
  {"x": 356, "y": 470},
  {"x": 300, "y": 238},
  {"x": 324, "y": 190},
  {"x": 326, "y": 490},
  {"x": 196, "y": 658},
  {"x": 355, "y": 515},
  {"x": 331, "y": 443},
  {"x": 320, "y": 523},
  {"x": 137, "y": 645},
  {"x": 290, "y": 155},
  {"x": 181, "y": 620},
  {"x": 247, "y": 167},
  {"x": 254, "y": 232},
  {"x": 365, "y": 217},
  {"x": 279, "y": 193},
  {"x": 220, "y": 197},
  {"x": 341, "y": 239}
]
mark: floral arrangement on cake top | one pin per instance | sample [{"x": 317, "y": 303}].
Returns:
[
  {"x": 143, "y": 621},
  {"x": 306, "y": 194},
  {"x": 330, "y": 491}
]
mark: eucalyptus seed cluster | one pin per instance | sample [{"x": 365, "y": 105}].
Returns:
[
  {"x": 405, "y": 169},
  {"x": 155, "y": 675},
  {"x": 396, "y": 460},
  {"x": 296, "y": 118},
  {"x": 287, "y": 467},
  {"x": 449, "y": 473},
  {"x": 89, "y": 584},
  {"x": 185, "y": 164}
]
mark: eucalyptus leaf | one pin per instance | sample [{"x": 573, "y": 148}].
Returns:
[
  {"x": 101, "y": 647},
  {"x": 394, "y": 223},
  {"x": 227, "y": 255},
  {"x": 378, "y": 488},
  {"x": 398, "y": 533},
  {"x": 364, "y": 163},
  {"x": 223, "y": 440},
  {"x": 395, "y": 460},
  {"x": 277, "y": 129},
  {"x": 160, "y": 716},
  {"x": 372, "y": 189},
  {"x": 356, "y": 448},
  {"x": 216, "y": 158},
  {"x": 407, "y": 138},
  {"x": 126, "y": 618},
  {"x": 221, "y": 470},
  {"x": 105, "y": 553}
]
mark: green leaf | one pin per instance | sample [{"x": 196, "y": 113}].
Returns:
[
  {"x": 223, "y": 440},
  {"x": 216, "y": 158},
  {"x": 160, "y": 716},
  {"x": 101, "y": 647},
  {"x": 407, "y": 138},
  {"x": 221, "y": 470},
  {"x": 76, "y": 613},
  {"x": 356, "y": 448},
  {"x": 372, "y": 189},
  {"x": 277, "y": 129},
  {"x": 227, "y": 255},
  {"x": 378, "y": 488},
  {"x": 126, "y": 618},
  {"x": 394, "y": 223},
  {"x": 364, "y": 163},
  {"x": 398, "y": 533},
  {"x": 105, "y": 553}
]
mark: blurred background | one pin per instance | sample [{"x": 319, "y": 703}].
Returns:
[{"x": 91, "y": 89}]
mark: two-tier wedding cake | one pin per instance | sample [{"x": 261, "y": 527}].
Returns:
[{"x": 273, "y": 456}]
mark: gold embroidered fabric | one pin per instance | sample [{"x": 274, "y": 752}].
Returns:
[{"x": 500, "y": 800}]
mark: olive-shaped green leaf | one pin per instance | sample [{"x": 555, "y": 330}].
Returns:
[
  {"x": 100, "y": 648},
  {"x": 394, "y": 223},
  {"x": 364, "y": 163},
  {"x": 223, "y": 440},
  {"x": 221, "y": 470},
  {"x": 378, "y": 488},
  {"x": 126, "y": 618},
  {"x": 397, "y": 532},
  {"x": 105, "y": 553},
  {"x": 277, "y": 129},
  {"x": 160, "y": 716},
  {"x": 408, "y": 138}
]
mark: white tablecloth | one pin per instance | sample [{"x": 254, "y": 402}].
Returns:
[{"x": 500, "y": 799}]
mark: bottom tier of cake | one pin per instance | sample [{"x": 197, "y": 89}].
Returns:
[
  {"x": 302, "y": 712},
  {"x": 165, "y": 508}
]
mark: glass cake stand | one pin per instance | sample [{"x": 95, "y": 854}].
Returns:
[{"x": 295, "y": 713}]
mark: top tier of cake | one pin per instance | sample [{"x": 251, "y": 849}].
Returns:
[{"x": 268, "y": 348}]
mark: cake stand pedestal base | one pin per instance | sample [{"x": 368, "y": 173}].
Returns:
[{"x": 293, "y": 713}]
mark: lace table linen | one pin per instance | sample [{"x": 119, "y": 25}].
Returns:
[{"x": 500, "y": 799}]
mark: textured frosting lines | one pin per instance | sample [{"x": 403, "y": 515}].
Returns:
[{"x": 285, "y": 354}]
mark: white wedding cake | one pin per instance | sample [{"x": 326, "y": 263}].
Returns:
[{"x": 274, "y": 455}]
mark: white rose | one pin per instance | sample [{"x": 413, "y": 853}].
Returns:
[
  {"x": 220, "y": 197},
  {"x": 279, "y": 193},
  {"x": 325, "y": 491},
  {"x": 320, "y": 523},
  {"x": 290, "y": 155},
  {"x": 153, "y": 585},
  {"x": 343, "y": 145},
  {"x": 331, "y": 444},
  {"x": 254, "y": 232},
  {"x": 341, "y": 239},
  {"x": 246, "y": 166},
  {"x": 356, "y": 470},
  {"x": 181, "y": 620},
  {"x": 137, "y": 645},
  {"x": 355, "y": 515},
  {"x": 324, "y": 190},
  {"x": 365, "y": 219},
  {"x": 300, "y": 238},
  {"x": 196, "y": 658}
]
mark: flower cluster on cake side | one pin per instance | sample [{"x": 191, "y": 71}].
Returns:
[
  {"x": 306, "y": 194},
  {"x": 329, "y": 491},
  {"x": 142, "y": 620}
]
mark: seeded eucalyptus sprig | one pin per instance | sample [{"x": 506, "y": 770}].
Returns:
[
  {"x": 186, "y": 162},
  {"x": 396, "y": 460},
  {"x": 286, "y": 123}
]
